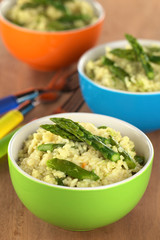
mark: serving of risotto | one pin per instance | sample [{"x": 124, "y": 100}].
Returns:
[
  {"x": 135, "y": 68},
  {"x": 74, "y": 154},
  {"x": 52, "y": 15}
]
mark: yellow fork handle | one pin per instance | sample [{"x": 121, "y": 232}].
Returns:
[{"x": 9, "y": 121}]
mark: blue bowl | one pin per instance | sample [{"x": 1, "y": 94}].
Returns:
[{"x": 139, "y": 109}]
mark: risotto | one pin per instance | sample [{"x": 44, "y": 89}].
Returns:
[
  {"x": 46, "y": 15},
  {"x": 78, "y": 155},
  {"x": 127, "y": 69}
]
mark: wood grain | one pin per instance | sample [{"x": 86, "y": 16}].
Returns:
[{"x": 141, "y": 18}]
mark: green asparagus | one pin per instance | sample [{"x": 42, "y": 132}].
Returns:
[
  {"x": 29, "y": 5},
  {"x": 115, "y": 70},
  {"x": 140, "y": 159},
  {"x": 67, "y": 22},
  {"x": 58, "y": 26},
  {"x": 127, "y": 158},
  {"x": 83, "y": 135},
  {"x": 49, "y": 146},
  {"x": 60, "y": 181},
  {"x": 55, "y": 129},
  {"x": 153, "y": 49},
  {"x": 35, "y": 3},
  {"x": 71, "y": 169},
  {"x": 71, "y": 18},
  {"x": 129, "y": 54},
  {"x": 64, "y": 127},
  {"x": 104, "y": 140},
  {"x": 102, "y": 127},
  {"x": 141, "y": 55},
  {"x": 155, "y": 59}
]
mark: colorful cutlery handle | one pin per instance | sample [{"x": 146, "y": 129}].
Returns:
[
  {"x": 8, "y": 103},
  {"x": 4, "y": 143},
  {"x": 9, "y": 121}
]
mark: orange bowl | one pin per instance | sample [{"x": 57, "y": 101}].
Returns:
[{"x": 48, "y": 50}]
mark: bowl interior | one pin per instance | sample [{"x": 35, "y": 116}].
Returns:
[
  {"x": 143, "y": 145},
  {"x": 5, "y": 5}
]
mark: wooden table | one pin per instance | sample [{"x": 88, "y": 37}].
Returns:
[{"x": 141, "y": 18}]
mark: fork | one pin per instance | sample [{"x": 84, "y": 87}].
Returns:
[
  {"x": 64, "y": 80},
  {"x": 73, "y": 103}
]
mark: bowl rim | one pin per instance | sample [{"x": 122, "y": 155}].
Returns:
[
  {"x": 96, "y": 4},
  {"x": 81, "y": 64},
  {"x": 113, "y": 185}
]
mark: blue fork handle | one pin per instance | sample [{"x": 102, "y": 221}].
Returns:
[
  {"x": 11, "y": 102},
  {"x": 8, "y": 103}
]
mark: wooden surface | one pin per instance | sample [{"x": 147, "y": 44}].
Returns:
[{"x": 141, "y": 18}]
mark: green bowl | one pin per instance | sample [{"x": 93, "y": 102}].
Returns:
[{"x": 81, "y": 209}]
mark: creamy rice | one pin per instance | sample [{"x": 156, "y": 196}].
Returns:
[
  {"x": 138, "y": 81},
  {"x": 48, "y": 18},
  {"x": 33, "y": 161}
]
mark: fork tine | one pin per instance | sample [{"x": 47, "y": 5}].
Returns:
[
  {"x": 64, "y": 80},
  {"x": 55, "y": 78},
  {"x": 69, "y": 81},
  {"x": 73, "y": 104},
  {"x": 73, "y": 81}
]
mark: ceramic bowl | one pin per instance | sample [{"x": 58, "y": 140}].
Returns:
[
  {"x": 48, "y": 50},
  {"x": 139, "y": 109},
  {"x": 81, "y": 209}
]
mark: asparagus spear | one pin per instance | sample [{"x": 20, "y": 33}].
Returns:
[
  {"x": 153, "y": 49},
  {"x": 27, "y": 5},
  {"x": 115, "y": 70},
  {"x": 60, "y": 181},
  {"x": 55, "y": 129},
  {"x": 35, "y": 3},
  {"x": 110, "y": 140},
  {"x": 104, "y": 140},
  {"x": 155, "y": 59},
  {"x": 140, "y": 159},
  {"x": 71, "y": 169},
  {"x": 127, "y": 158},
  {"x": 49, "y": 146},
  {"x": 124, "y": 53},
  {"x": 102, "y": 127},
  {"x": 71, "y": 18},
  {"x": 130, "y": 55},
  {"x": 141, "y": 55},
  {"x": 83, "y": 135},
  {"x": 56, "y": 25},
  {"x": 66, "y": 22}
]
